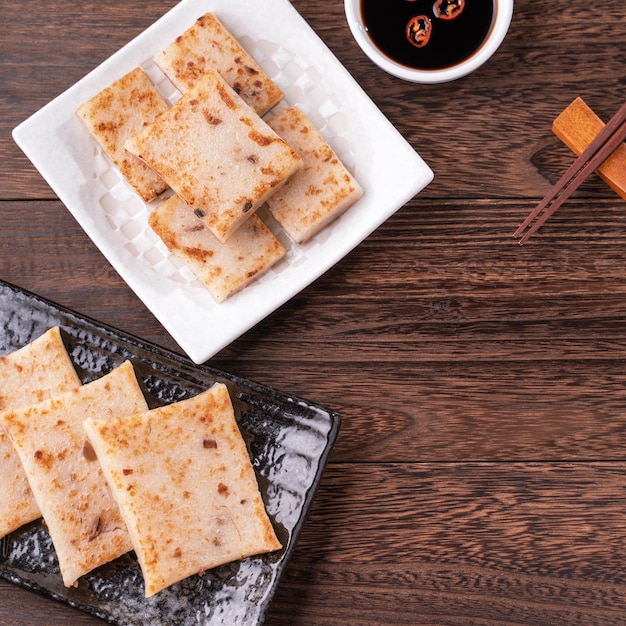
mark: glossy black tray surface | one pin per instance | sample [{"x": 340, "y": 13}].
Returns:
[{"x": 289, "y": 441}]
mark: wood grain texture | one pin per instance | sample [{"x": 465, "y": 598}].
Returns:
[
  {"x": 524, "y": 548},
  {"x": 479, "y": 476}
]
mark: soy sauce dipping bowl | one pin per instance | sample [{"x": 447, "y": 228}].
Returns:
[{"x": 503, "y": 13}]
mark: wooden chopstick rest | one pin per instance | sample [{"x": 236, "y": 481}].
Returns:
[
  {"x": 576, "y": 127},
  {"x": 610, "y": 137}
]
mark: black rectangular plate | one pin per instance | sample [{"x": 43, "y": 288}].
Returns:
[{"x": 289, "y": 441}]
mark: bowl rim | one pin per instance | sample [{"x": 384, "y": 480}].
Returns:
[{"x": 499, "y": 29}]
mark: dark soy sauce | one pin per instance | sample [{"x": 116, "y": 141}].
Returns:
[{"x": 450, "y": 41}]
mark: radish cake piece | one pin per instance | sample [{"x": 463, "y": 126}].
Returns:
[
  {"x": 78, "y": 508},
  {"x": 37, "y": 371},
  {"x": 209, "y": 45},
  {"x": 217, "y": 154},
  {"x": 185, "y": 485},
  {"x": 115, "y": 113},
  {"x": 321, "y": 191},
  {"x": 225, "y": 268}
]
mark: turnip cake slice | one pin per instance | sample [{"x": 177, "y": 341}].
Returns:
[
  {"x": 217, "y": 154},
  {"x": 209, "y": 45},
  {"x": 321, "y": 191},
  {"x": 185, "y": 485},
  {"x": 78, "y": 508},
  {"x": 225, "y": 268},
  {"x": 115, "y": 113},
  {"x": 29, "y": 375}
]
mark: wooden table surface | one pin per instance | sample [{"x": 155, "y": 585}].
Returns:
[{"x": 479, "y": 476}]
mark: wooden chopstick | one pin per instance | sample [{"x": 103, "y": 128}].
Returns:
[{"x": 603, "y": 145}]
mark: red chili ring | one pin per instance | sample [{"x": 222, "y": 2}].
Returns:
[
  {"x": 418, "y": 30},
  {"x": 448, "y": 9}
]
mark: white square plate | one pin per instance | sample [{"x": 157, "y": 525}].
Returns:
[{"x": 115, "y": 218}]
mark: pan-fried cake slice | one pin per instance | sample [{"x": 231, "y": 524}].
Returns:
[
  {"x": 76, "y": 503},
  {"x": 321, "y": 191},
  {"x": 114, "y": 114},
  {"x": 209, "y": 45},
  {"x": 217, "y": 154},
  {"x": 185, "y": 485},
  {"x": 224, "y": 268},
  {"x": 31, "y": 374}
]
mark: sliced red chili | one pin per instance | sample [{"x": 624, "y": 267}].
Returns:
[
  {"x": 448, "y": 9},
  {"x": 418, "y": 30}
]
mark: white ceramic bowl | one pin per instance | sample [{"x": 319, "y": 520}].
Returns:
[{"x": 499, "y": 28}]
